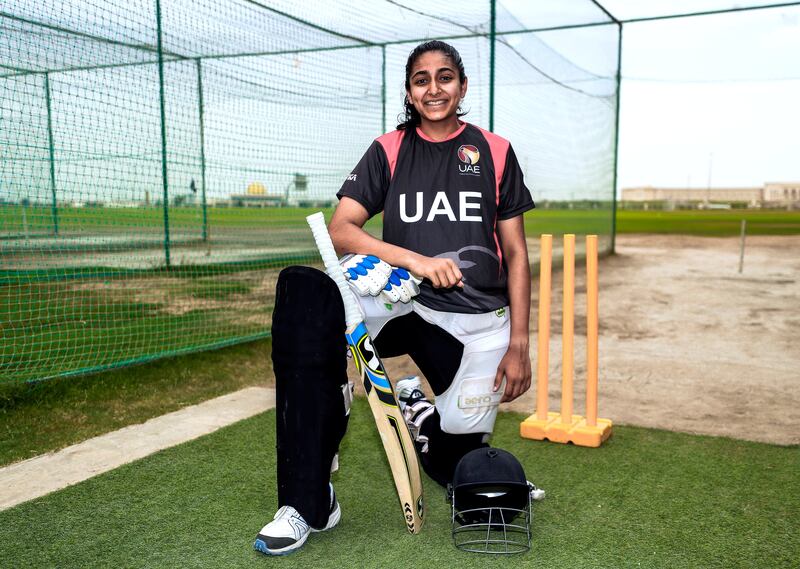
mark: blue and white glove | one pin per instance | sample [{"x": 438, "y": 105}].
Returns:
[
  {"x": 402, "y": 286},
  {"x": 368, "y": 275}
]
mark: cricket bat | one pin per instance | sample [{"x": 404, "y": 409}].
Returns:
[{"x": 397, "y": 441}]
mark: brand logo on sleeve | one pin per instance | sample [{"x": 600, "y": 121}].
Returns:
[
  {"x": 351, "y": 178},
  {"x": 469, "y": 156}
]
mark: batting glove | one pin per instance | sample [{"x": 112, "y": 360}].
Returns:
[
  {"x": 367, "y": 274},
  {"x": 402, "y": 286}
]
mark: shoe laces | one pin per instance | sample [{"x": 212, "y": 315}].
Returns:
[{"x": 285, "y": 512}]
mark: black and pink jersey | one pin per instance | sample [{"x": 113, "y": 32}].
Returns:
[{"x": 444, "y": 199}]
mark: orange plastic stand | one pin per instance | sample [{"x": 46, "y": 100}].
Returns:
[{"x": 577, "y": 432}]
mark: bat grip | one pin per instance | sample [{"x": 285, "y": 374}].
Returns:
[{"x": 316, "y": 221}]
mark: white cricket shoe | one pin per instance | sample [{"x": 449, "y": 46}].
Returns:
[{"x": 288, "y": 530}]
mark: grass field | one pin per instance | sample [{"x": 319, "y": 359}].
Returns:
[
  {"x": 712, "y": 223},
  {"x": 57, "y": 327},
  {"x": 64, "y": 319},
  {"x": 110, "y": 220},
  {"x": 36, "y": 418},
  {"x": 645, "y": 499}
]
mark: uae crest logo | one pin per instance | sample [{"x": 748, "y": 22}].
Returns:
[{"x": 468, "y": 154}]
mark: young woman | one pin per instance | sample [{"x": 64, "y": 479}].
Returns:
[{"x": 452, "y": 198}]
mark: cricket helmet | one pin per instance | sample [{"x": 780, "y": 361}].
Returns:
[{"x": 491, "y": 503}]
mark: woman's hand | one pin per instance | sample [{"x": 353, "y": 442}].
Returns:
[
  {"x": 516, "y": 367},
  {"x": 443, "y": 273}
]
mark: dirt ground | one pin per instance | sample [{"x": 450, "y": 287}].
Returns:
[{"x": 686, "y": 342}]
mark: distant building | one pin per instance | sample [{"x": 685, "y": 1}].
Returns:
[
  {"x": 257, "y": 196},
  {"x": 256, "y": 189},
  {"x": 782, "y": 191},
  {"x": 247, "y": 200},
  {"x": 771, "y": 193},
  {"x": 295, "y": 194}
]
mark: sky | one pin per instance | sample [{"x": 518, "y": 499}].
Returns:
[{"x": 713, "y": 99}]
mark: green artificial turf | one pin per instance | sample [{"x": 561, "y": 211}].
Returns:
[{"x": 647, "y": 498}]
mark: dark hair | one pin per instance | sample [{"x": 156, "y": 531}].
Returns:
[{"x": 411, "y": 118}]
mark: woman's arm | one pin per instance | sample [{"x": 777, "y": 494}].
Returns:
[
  {"x": 349, "y": 237},
  {"x": 516, "y": 364}
]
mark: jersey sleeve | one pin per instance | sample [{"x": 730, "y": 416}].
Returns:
[
  {"x": 515, "y": 197},
  {"x": 369, "y": 181}
]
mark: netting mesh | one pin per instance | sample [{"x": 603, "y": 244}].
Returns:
[{"x": 150, "y": 192}]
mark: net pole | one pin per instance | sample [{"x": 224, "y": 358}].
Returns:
[
  {"x": 383, "y": 89},
  {"x": 51, "y": 145},
  {"x": 742, "y": 234},
  {"x": 492, "y": 38},
  {"x": 616, "y": 143},
  {"x": 201, "y": 112},
  {"x": 163, "y": 134}
]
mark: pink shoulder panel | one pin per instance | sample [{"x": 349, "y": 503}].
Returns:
[
  {"x": 391, "y": 145},
  {"x": 499, "y": 147}
]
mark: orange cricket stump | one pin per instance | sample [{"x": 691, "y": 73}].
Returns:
[
  {"x": 566, "y": 427},
  {"x": 593, "y": 431},
  {"x": 535, "y": 426},
  {"x": 559, "y": 431}
]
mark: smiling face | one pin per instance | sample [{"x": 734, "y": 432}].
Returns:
[{"x": 435, "y": 88}]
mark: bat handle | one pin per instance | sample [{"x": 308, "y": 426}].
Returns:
[{"x": 316, "y": 221}]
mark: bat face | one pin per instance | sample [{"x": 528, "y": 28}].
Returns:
[
  {"x": 377, "y": 386},
  {"x": 369, "y": 365}
]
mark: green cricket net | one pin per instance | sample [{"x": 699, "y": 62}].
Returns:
[{"x": 157, "y": 159}]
